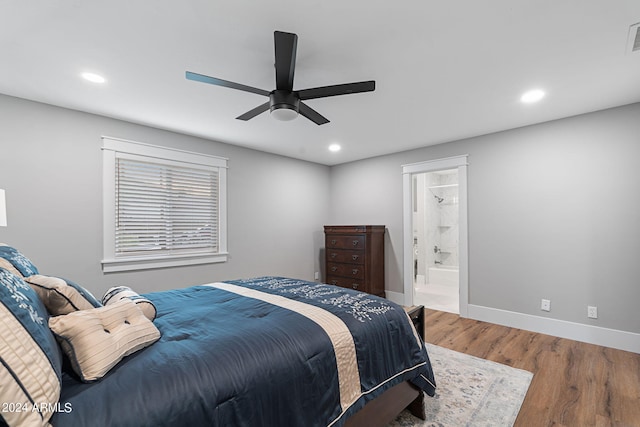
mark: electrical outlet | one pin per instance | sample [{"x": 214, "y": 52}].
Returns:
[
  {"x": 545, "y": 305},
  {"x": 592, "y": 312},
  {"x": 316, "y": 275}
]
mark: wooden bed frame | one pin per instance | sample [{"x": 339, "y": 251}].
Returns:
[{"x": 386, "y": 407}]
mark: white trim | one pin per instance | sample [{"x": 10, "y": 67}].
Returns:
[
  {"x": 396, "y": 297},
  {"x": 631, "y": 38},
  {"x": 622, "y": 340},
  {"x": 163, "y": 153},
  {"x": 407, "y": 221},
  {"x": 3, "y": 209},
  {"x": 459, "y": 162},
  {"x": 435, "y": 165},
  {"x": 116, "y": 147},
  {"x": 222, "y": 211},
  {"x": 115, "y": 265},
  {"x": 108, "y": 203},
  {"x": 463, "y": 241}
]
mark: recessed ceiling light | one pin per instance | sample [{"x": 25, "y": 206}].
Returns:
[
  {"x": 532, "y": 96},
  {"x": 93, "y": 77},
  {"x": 334, "y": 147}
]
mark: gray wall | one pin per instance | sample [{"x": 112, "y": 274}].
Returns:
[
  {"x": 51, "y": 169},
  {"x": 554, "y": 212},
  {"x": 553, "y": 208}
]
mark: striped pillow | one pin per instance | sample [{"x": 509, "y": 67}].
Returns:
[
  {"x": 119, "y": 292},
  {"x": 96, "y": 340},
  {"x": 62, "y": 296},
  {"x": 30, "y": 359}
]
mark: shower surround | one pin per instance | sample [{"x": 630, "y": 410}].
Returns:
[
  {"x": 441, "y": 218},
  {"x": 436, "y": 220}
]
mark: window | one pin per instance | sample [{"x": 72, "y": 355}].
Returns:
[{"x": 162, "y": 207}]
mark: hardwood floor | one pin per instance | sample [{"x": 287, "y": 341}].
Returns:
[{"x": 574, "y": 383}]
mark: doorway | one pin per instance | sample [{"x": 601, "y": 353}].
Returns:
[
  {"x": 435, "y": 240},
  {"x": 435, "y": 234}
]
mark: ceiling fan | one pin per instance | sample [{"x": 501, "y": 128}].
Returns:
[{"x": 284, "y": 102}]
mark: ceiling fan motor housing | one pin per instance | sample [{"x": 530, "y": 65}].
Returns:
[{"x": 283, "y": 104}]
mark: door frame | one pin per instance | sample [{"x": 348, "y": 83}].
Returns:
[{"x": 408, "y": 171}]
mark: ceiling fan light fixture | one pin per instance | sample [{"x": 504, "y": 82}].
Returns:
[
  {"x": 283, "y": 112},
  {"x": 283, "y": 105}
]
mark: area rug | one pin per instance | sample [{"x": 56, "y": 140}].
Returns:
[{"x": 471, "y": 392}]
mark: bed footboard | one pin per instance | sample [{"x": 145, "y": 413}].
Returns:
[{"x": 386, "y": 407}]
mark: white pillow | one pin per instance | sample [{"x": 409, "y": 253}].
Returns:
[
  {"x": 96, "y": 340},
  {"x": 61, "y": 296},
  {"x": 119, "y": 292}
]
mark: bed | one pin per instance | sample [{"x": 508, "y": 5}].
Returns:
[{"x": 267, "y": 351}]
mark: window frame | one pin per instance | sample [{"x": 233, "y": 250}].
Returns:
[{"x": 112, "y": 148}]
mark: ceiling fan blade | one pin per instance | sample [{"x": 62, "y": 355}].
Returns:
[
  {"x": 334, "y": 90},
  {"x": 219, "y": 82},
  {"x": 285, "y": 53},
  {"x": 312, "y": 114},
  {"x": 252, "y": 113}
]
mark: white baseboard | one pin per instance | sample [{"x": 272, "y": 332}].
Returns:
[
  {"x": 397, "y": 297},
  {"x": 622, "y": 340}
]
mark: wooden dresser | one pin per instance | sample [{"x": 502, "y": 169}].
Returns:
[{"x": 354, "y": 257}]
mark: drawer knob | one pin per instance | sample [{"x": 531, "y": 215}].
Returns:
[
  {"x": 333, "y": 242},
  {"x": 355, "y": 242},
  {"x": 334, "y": 282},
  {"x": 354, "y": 271},
  {"x": 333, "y": 255},
  {"x": 355, "y": 286},
  {"x": 355, "y": 257},
  {"x": 334, "y": 268}
]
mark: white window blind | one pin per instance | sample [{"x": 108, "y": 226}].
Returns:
[{"x": 163, "y": 207}]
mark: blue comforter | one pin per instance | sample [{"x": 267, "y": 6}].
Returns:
[{"x": 260, "y": 352}]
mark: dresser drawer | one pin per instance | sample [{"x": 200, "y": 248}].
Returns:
[
  {"x": 345, "y": 242},
  {"x": 343, "y": 255},
  {"x": 349, "y": 229},
  {"x": 354, "y": 257},
  {"x": 344, "y": 282},
  {"x": 345, "y": 270}
]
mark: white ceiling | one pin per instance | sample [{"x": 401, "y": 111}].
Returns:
[{"x": 443, "y": 70}]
